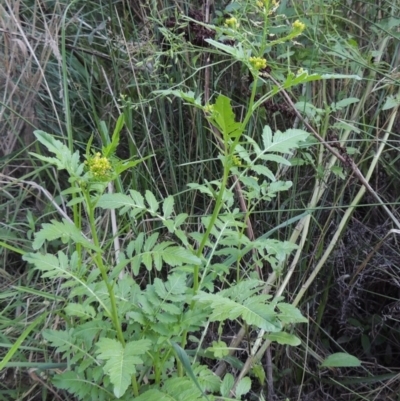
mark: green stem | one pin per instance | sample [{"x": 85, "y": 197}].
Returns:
[
  {"x": 229, "y": 150},
  {"x": 103, "y": 270},
  {"x": 135, "y": 386}
]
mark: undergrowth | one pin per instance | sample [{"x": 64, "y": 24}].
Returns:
[{"x": 199, "y": 200}]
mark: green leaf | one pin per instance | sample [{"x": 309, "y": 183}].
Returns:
[
  {"x": 243, "y": 387},
  {"x": 253, "y": 311},
  {"x": 183, "y": 357},
  {"x": 79, "y": 310},
  {"x": 290, "y": 314},
  {"x": 282, "y": 142},
  {"x": 154, "y": 395},
  {"x": 219, "y": 349},
  {"x": 263, "y": 170},
  {"x": 110, "y": 149},
  {"x": 391, "y": 102},
  {"x": 168, "y": 206},
  {"x": 120, "y": 361},
  {"x": 344, "y": 103},
  {"x": 284, "y": 338},
  {"x": 64, "y": 230},
  {"x": 80, "y": 387},
  {"x": 341, "y": 359},
  {"x": 151, "y": 201},
  {"x": 177, "y": 256},
  {"x": 227, "y": 385},
  {"x": 117, "y": 200},
  {"x": 187, "y": 96},
  {"x": 224, "y": 118},
  {"x": 236, "y": 52}
]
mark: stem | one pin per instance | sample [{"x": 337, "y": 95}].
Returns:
[
  {"x": 103, "y": 270},
  {"x": 135, "y": 386}
]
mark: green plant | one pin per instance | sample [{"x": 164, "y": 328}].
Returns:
[{"x": 122, "y": 339}]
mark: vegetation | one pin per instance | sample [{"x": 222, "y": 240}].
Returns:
[{"x": 199, "y": 200}]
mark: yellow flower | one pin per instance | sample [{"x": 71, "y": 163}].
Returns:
[
  {"x": 298, "y": 26},
  {"x": 258, "y": 63},
  {"x": 236, "y": 161},
  {"x": 231, "y": 22},
  {"x": 99, "y": 165}
]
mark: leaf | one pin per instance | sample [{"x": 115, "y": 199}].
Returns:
[
  {"x": 183, "y": 357},
  {"x": 243, "y": 387},
  {"x": 263, "y": 170},
  {"x": 79, "y": 310},
  {"x": 290, "y": 314},
  {"x": 284, "y": 338},
  {"x": 110, "y": 149},
  {"x": 219, "y": 349},
  {"x": 154, "y": 395},
  {"x": 187, "y": 96},
  {"x": 224, "y": 118},
  {"x": 253, "y": 312},
  {"x": 236, "y": 52},
  {"x": 177, "y": 256},
  {"x": 120, "y": 361},
  {"x": 227, "y": 385},
  {"x": 64, "y": 230},
  {"x": 80, "y": 387},
  {"x": 151, "y": 201},
  {"x": 117, "y": 200},
  {"x": 282, "y": 142},
  {"x": 344, "y": 103},
  {"x": 341, "y": 359},
  {"x": 168, "y": 206},
  {"x": 391, "y": 102}
]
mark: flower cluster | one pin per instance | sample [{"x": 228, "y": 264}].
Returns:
[
  {"x": 258, "y": 63},
  {"x": 266, "y": 3},
  {"x": 298, "y": 26},
  {"x": 99, "y": 165},
  {"x": 231, "y": 22},
  {"x": 236, "y": 161}
]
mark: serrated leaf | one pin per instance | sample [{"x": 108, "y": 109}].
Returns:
[
  {"x": 224, "y": 118},
  {"x": 64, "y": 230},
  {"x": 151, "y": 201},
  {"x": 243, "y": 387},
  {"x": 154, "y": 395},
  {"x": 120, "y": 361},
  {"x": 115, "y": 201},
  {"x": 168, "y": 206},
  {"x": 282, "y": 142},
  {"x": 79, "y": 310},
  {"x": 263, "y": 170},
  {"x": 290, "y": 314},
  {"x": 79, "y": 386},
  {"x": 227, "y": 384},
  {"x": 177, "y": 256},
  {"x": 257, "y": 313},
  {"x": 219, "y": 349},
  {"x": 284, "y": 338},
  {"x": 275, "y": 158},
  {"x": 341, "y": 359}
]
